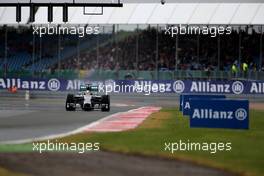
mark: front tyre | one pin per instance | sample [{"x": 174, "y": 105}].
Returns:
[
  {"x": 105, "y": 104},
  {"x": 70, "y": 103}
]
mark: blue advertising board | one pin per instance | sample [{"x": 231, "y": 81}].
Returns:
[
  {"x": 186, "y": 106},
  {"x": 139, "y": 86},
  {"x": 215, "y": 113}
]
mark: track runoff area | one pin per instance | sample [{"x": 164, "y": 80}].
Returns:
[
  {"x": 215, "y": 111},
  {"x": 206, "y": 111}
]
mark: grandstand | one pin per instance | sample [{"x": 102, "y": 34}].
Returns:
[
  {"x": 32, "y": 54},
  {"x": 136, "y": 52},
  {"x": 133, "y": 45}
]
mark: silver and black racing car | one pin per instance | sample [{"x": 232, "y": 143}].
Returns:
[{"x": 88, "y": 98}]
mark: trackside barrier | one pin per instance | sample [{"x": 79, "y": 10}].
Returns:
[
  {"x": 219, "y": 113},
  {"x": 232, "y": 87}
]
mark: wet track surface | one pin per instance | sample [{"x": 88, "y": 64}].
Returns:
[
  {"x": 101, "y": 164},
  {"x": 21, "y": 119},
  {"x": 37, "y": 118}
]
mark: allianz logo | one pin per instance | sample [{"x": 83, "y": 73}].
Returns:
[
  {"x": 236, "y": 87},
  {"x": 240, "y": 114}
]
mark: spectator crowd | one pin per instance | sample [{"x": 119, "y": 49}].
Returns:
[
  {"x": 140, "y": 51},
  {"x": 144, "y": 49}
]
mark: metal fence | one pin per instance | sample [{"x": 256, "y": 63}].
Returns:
[{"x": 134, "y": 74}]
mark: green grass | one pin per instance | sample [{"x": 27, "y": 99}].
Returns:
[
  {"x": 168, "y": 125},
  {"x": 15, "y": 148}
]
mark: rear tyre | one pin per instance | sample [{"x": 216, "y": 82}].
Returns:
[
  {"x": 70, "y": 103},
  {"x": 105, "y": 104}
]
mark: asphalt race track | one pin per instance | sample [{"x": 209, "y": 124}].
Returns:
[
  {"x": 102, "y": 164},
  {"x": 40, "y": 117}
]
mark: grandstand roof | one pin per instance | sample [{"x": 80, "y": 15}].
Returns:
[{"x": 151, "y": 13}]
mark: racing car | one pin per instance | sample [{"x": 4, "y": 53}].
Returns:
[{"x": 88, "y": 98}]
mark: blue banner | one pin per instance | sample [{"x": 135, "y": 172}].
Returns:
[
  {"x": 233, "y": 114},
  {"x": 139, "y": 86},
  {"x": 186, "y": 106}
]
